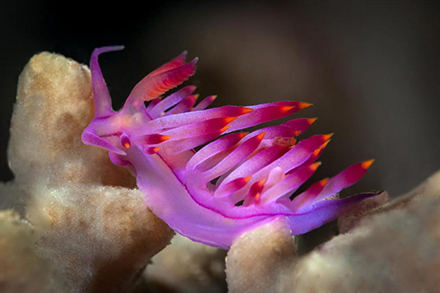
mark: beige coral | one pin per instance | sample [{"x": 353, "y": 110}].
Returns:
[
  {"x": 54, "y": 105},
  {"x": 187, "y": 266},
  {"x": 258, "y": 257},
  {"x": 393, "y": 248},
  {"x": 21, "y": 269},
  {"x": 89, "y": 221}
]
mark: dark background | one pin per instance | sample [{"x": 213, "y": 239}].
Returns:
[{"x": 371, "y": 68}]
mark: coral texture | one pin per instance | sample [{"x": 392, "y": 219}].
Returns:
[
  {"x": 91, "y": 225},
  {"x": 392, "y": 248},
  {"x": 275, "y": 248},
  {"x": 21, "y": 269},
  {"x": 188, "y": 267},
  {"x": 54, "y": 104}
]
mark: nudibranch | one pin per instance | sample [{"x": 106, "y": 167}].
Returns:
[{"x": 201, "y": 174}]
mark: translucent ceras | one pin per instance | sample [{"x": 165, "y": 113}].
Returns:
[{"x": 236, "y": 180}]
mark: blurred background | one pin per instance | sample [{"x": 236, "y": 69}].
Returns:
[{"x": 371, "y": 68}]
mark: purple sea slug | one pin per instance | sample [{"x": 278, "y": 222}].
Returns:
[{"x": 236, "y": 180}]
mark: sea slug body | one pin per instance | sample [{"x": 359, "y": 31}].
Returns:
[{"x": 236, "y": 180}]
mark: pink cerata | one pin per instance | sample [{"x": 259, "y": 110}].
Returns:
[{"x": 236, "y": 181}]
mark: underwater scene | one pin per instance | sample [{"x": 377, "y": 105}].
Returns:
[{"x": 220, "y": 146}]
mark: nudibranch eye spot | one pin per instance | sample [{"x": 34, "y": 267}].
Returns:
[{"x": 201, "y": 172}]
